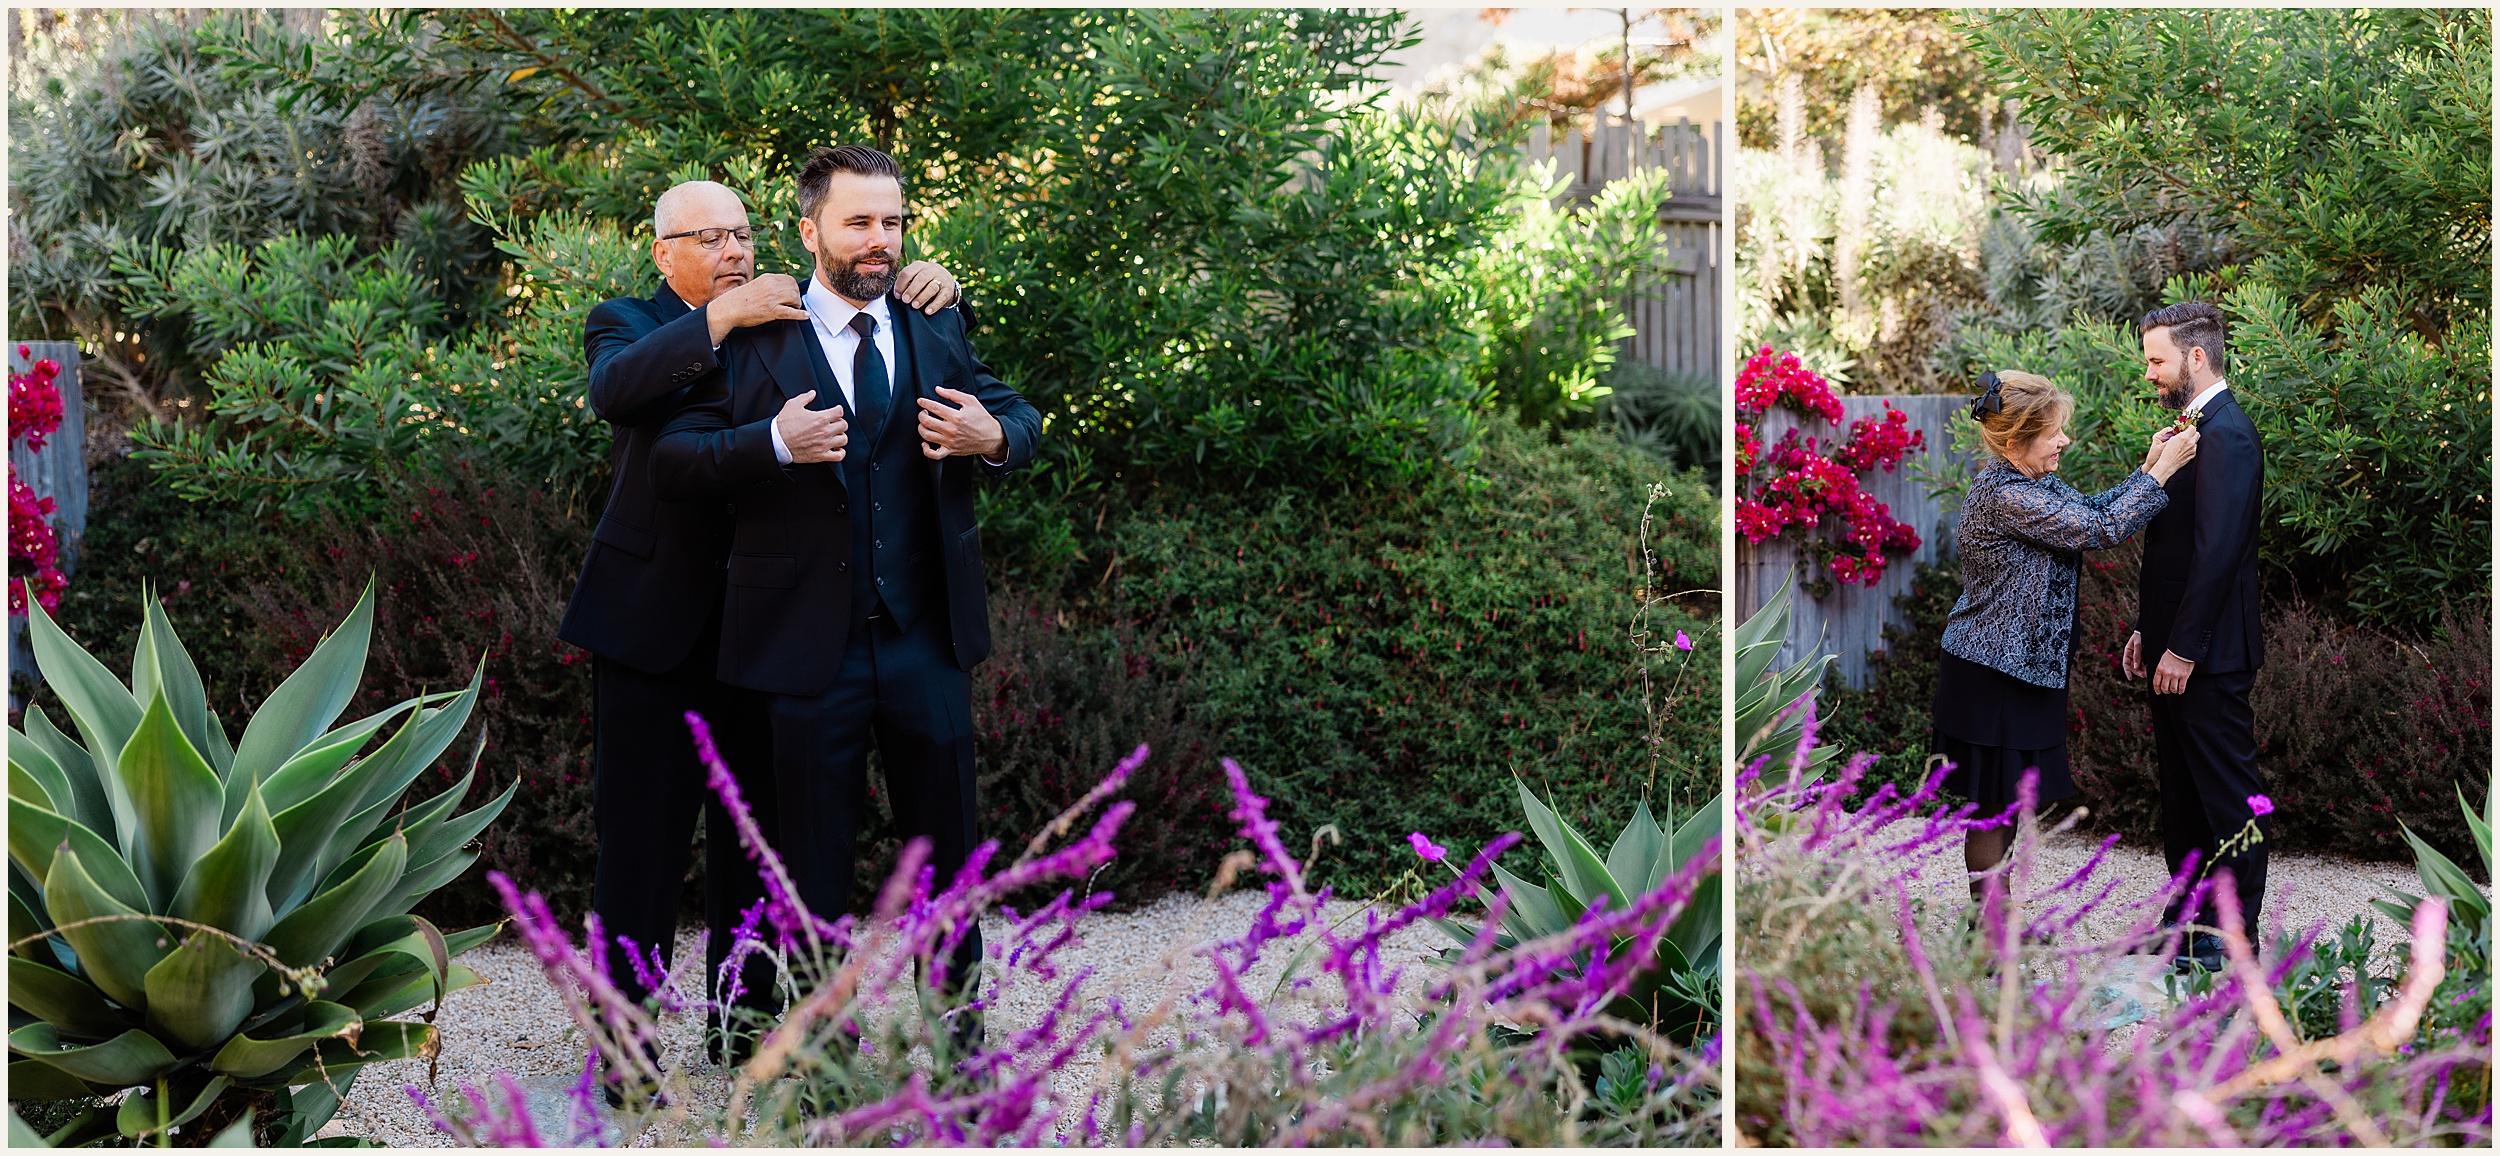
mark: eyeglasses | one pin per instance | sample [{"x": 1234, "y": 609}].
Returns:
[{"x": 715, "y": 238}]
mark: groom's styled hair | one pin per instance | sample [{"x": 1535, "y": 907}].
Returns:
[
  {"x": 2190, "y": 323},
  {"x": 817, "y": 176}
]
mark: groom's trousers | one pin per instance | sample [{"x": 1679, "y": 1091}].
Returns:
[
  {"x": 899, "y": 688},
  {"x": 647, "y": 790},
  {"x": 2205, "y": 740}
]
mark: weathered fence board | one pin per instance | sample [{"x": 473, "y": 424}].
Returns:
[
  {"x": 57, "y": 471},
  {"x": 1850, "y": 620},
  {"x": 1675, "y": 321}
]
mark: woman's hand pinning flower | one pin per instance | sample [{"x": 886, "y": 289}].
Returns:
[{"x": 1426, "y": 848}]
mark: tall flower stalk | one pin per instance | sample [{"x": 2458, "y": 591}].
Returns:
[
  {"x": 1344, "y": 1047},
  {"x": 2002, "y": 1025}
]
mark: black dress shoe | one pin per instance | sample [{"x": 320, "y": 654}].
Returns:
[{"x": 2204, "y": 950}]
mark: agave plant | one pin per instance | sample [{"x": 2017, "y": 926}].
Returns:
[
  {"x": 1764, "y": 692},
  {"x": 1679, "y": 994},
  {"x": 223, "y": 928},
  {"x": 2469, "y": 909}
]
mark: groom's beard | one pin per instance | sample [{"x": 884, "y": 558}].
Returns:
[
  {"x": 2175, "y": 392},
  {"x": 847, "y": 280}
]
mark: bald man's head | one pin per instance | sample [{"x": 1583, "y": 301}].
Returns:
[
  {"x": 692, "y": 200},
  {"x": 695, "y": 273}
]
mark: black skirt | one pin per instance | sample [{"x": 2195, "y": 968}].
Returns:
[{"x": 1993, "y": 726}]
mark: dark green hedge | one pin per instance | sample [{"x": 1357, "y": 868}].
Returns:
[
  {"x": 1383, "y": 660},
  {"x": 2360, "y": 731}
]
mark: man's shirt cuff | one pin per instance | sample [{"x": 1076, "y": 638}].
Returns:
[{"x": 781, "y": 452}]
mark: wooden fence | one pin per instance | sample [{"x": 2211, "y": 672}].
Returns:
[
  {"x": 57, "y": 471},
  {"x": 1675, "y": 322},
  {"x": 1850, "y": 620}
]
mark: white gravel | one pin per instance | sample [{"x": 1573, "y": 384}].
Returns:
[{"x": 516, "y": 1023}]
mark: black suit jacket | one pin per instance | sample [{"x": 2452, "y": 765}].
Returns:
[
  {"x": 653, "y": 575},
  {"x": 785, "y": 618},
  {"x": 2199, "y": 588}
]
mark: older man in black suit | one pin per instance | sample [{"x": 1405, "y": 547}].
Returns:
[
  {"x": 2197, "y": 609},
  {"x": 855, "y": 597},
  {"x": 647, "y": 605}
]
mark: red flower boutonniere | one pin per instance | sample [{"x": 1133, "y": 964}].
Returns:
[{"x": 2188, "y": 420}]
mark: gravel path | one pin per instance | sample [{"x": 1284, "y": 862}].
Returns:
[
  {"x": 2302, "y": 890},
  {"x": 516, "y": 1024}
]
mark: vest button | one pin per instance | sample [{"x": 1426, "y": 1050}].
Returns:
[
  {"x": 842, "y": 567},
  {"x": 881, "y": 543},
  {"x": 878, "y": 507},
  {"x": 841, "y": 507}
]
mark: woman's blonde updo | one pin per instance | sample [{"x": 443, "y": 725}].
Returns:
[{"x": 2032, "y": 406}]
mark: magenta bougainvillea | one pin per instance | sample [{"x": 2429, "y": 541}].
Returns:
[
  {"x": 1798, "y": 481},
  {"x": 34, "y": 547}
]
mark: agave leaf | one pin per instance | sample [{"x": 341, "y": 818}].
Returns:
[
  {"x": 246, "y": 1057},
  {"x": 318, "y": 763},
  {"x": 77, "y": 767},
  {"x": 229, "y": 886},
  {"x": 161, "y": 664},
  {"x": 1533, "y": 913},
  {"x": 311, "y": 932},
  {"x": 310, "y": 1107},
  {"x": 25, "y": 922},
  {"x": 1694, "y": 834},
  {"x": 1638, "y": 851},
  {"x": 51, "y": 788},
  {"x": 420, "y": 822},
  {"x": 386, "y": 773},
  {"x": 451, "y": 835},
  {"x": 198, "y": 995},
  {"x": 220, "y": 749},
  {"x": 99, "y": 706},
  {"x": 310, "y": 699},
  {"x": 133, "y": 1057},
  {"x": 115, "y": 952},
  {"x": 235, "y": 1135},
  {"x": 141, "y": 1116},
  {"x": 37, "y": 1080},
  {"x": 35, "y": 834},
  {"x": 386, "y": 996},
  {"x": 1582, "y": 873},
  {"x": 1695, "y": 933},
  {"x": 418, "y": 882},
  {"x": 63, "y": 1000},
  {"x": 380, "y": 1041},
  {"x": 174, "y": 798},
  {"x": 2481, "y": 828},
  {"x": 2442, "y": 877},
  {"x": 306, "y": 829}
]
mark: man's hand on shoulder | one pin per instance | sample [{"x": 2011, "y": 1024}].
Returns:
[
  {"x": 927, "y": 287},
  {"x": 771, "y": 297}
]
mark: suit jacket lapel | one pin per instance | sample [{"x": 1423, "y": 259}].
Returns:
[
  {"x": 914, "y": 333},
  {"x": 791, "y": 356}
]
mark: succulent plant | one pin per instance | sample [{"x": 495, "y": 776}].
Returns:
[
  {"x": 1764, "y": 724},
  {"x": 1679, "y": 994},
  {"x": 224, "y": 928}
]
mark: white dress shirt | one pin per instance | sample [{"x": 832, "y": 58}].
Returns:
[
  {"x": 2206, "y": 398},
  {"x": 831, "y": 316}
]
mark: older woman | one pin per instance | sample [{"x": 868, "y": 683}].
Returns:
[{"x": 2001, "y": 686}]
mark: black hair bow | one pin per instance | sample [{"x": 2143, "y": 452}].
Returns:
[{"x": 1990, "y": 402}]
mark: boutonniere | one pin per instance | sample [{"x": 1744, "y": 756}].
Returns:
[{"x": 2188, "y": 420}]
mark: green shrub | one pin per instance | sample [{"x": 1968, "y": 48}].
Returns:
[
  {"x": 1385, "y": 661},
  {"x": 2360, "y": 732}
]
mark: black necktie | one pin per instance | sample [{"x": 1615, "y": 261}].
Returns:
[{"x": 868, "y": 383}]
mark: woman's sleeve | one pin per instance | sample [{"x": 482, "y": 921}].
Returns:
[{"x": 2059, "y": 518}]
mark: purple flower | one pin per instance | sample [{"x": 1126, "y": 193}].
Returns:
[
  {"x": 1426, "y": 848},
  {"x": 1683, "y": 641},
  {"x": 2261, "y": 804}
]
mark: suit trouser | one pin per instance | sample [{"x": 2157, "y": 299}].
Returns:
[
  {"x": 2205, "y": 740},
  {"x": 648, "y": 787},
  {"x": 901, "y": 689}
]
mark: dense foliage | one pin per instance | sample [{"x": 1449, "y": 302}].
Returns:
[
  {"x": 1998, "y": 1024},
  {"x": 1338, "y": 1055},
  {"x": 2347, "y": 162},
  {"x": 221, "y": 921},
  {"x": 2361, "y": 735},
  {"x": 1334, "y": 642}
]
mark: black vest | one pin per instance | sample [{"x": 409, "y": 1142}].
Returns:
[{"x": 896, "y": 569}]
